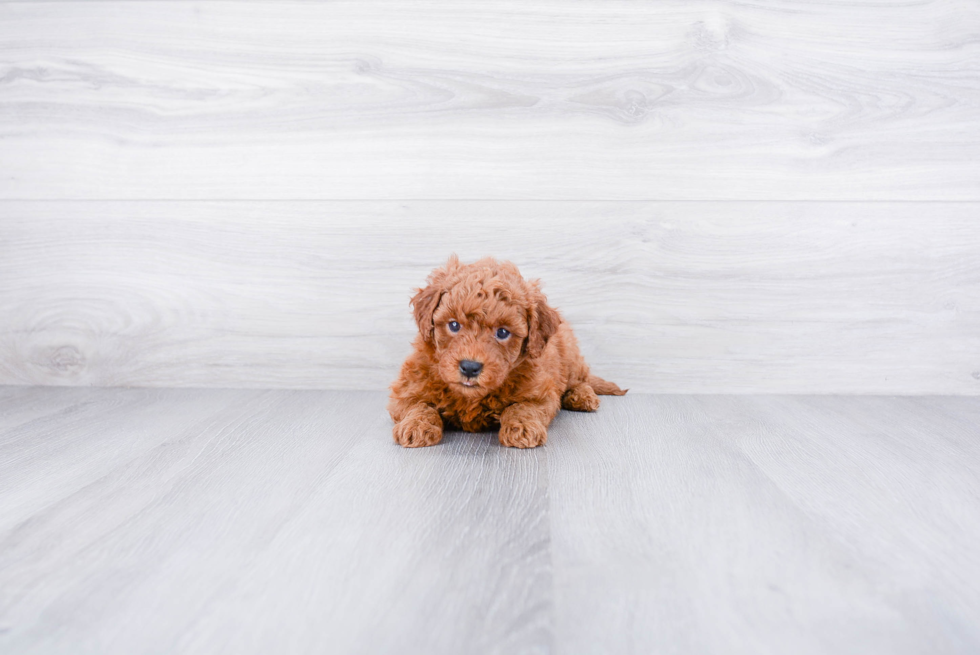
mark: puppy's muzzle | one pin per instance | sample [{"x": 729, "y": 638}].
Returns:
[{"x": 470, "y": 368}]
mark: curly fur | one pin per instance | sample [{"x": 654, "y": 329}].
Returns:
[{"x": 525, "y": 378}]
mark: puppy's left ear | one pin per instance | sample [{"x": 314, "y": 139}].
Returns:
[{"x": 543, "y": 322}]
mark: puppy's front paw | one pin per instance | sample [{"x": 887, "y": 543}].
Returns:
[
  {"x": 414, "y": 432},
  {"x": 523, "y": 434}
]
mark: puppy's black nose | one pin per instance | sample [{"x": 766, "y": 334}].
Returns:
[{"x": 469, "y": 368}]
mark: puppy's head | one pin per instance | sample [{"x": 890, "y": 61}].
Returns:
[{"x": 482, "y": 320}]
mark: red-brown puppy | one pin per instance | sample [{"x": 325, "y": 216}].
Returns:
[{"x": 490, "y": 353}]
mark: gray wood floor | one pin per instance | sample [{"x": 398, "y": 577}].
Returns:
[{"x": 136, "y": 521}]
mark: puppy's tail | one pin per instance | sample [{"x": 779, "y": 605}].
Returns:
[{"x": 604, "y": 388}]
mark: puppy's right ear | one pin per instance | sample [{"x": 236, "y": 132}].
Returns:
[
  {"x": 424, "y": 305},
  {"x": 426, "y": 300}
]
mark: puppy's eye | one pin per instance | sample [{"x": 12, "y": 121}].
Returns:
[
  {"x": 502, "y": 333},
  {"x": 453, "y": 326}
]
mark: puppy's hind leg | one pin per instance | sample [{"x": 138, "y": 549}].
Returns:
[{"x": 580, "y": 398}]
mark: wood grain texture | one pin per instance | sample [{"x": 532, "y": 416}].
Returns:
[
  {"x": 507, "y": 100},
  {"x": 766, "y": 525},
  {"x": 162, "y": 521},
  {"x": 256, "y": 521},
  {"x": 676, "y": 297}
]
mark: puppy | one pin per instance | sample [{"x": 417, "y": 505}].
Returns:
[{"x": 490, "y": 354}]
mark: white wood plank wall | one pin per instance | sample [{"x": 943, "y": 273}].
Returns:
[{"x": 722, "y": 197}]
